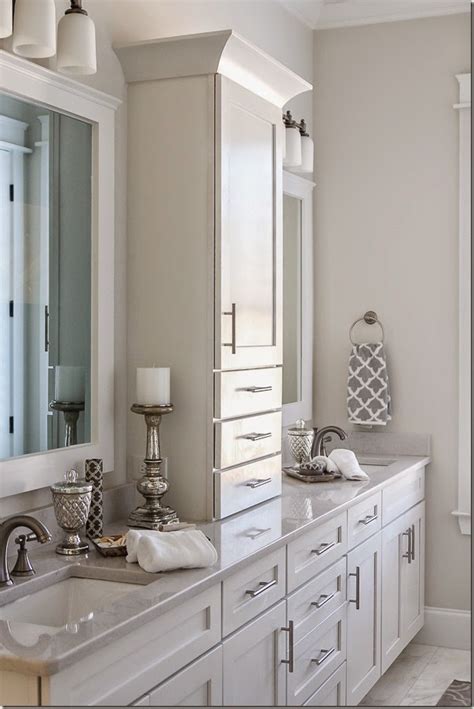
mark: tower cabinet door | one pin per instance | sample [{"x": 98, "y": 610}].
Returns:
[
  {"x": 254, "y": 674},
  {"x": 249, "y": 133},
  {"x": 412, "y": 577},
  {"x": 395, "y": 550},
  {"x": 363, "y": 618}
]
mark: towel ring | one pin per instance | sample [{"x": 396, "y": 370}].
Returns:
[{"x": 370, "y": 318}]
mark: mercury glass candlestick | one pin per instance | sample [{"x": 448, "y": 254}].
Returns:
[
  {"x": 152, "y": 515},
  {"x": 71, "y": 411}
]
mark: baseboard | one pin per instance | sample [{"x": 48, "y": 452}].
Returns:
[{"x": 446, "y": 627}]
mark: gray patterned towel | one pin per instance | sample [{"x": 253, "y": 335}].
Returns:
[{"x": 368, "y": 390}]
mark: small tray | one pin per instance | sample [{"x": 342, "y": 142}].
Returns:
[
  {"x": 322, "y": 478},
  {"x": 108, "y": 550}
]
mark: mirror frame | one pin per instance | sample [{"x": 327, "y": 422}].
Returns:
[
  {"x": 28, "y": 81},
  {"x": 302, "y": 189}
]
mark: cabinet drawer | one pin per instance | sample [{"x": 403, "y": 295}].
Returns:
[
  {"x": 402, "y": 494},
  {"x": 242, "y": 440},
  {"x": 248, "y": 391},
  {"x": 130, "y": 666},
  {"x": 199, "y": 685},
  {"x": 317, "y": 656},
  {"x": 332, "y": 693},
  {"x": 316, "y": 550},
  {"x": 311, "y": 604},
  {"x": 245, "y": 486},
  {"x": 252, "y": 590},
  {"x": 364, "y": 519}
]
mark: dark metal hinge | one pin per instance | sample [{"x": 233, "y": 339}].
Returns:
[
  {"x": 11, "y": 425},
  {"x": 12, "y": 193},
  {"x": 12, "y": 308}
]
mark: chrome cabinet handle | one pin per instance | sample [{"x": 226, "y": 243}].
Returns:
[
  {"x": 323, "y": 599},
  {"x": 258, "y": 483},
  {"x": 233, "y": 313},
  {"x": 408, "y": 554},
  {"x": 325, "y": 546},
  {"x": 291, "y": 646},
  {"x": 323, "y": 656},
  {"x": 46, "y": 328},
  {"x": 413, "y": 542},
  {"x": 357, "y": 598},
  {"x": 258, "y": 390},
  {"x": 368, "y": 519},
  {"x": 257, "y": 436},
  {"x": 262, "y": 587}
]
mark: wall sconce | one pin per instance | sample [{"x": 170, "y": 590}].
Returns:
[
  {"x": 298, "y": 146},
  {"x": 33, "y": 23}
]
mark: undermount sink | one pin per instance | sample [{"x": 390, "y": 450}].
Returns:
[{"x": 67, "y": 602}]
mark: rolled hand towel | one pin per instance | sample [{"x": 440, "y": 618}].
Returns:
[
  {"x": 133, "y": 537},
  {"x": 347, "y": 464},
  {"x": 329, "y": 464},
  {"x": 186, "y": 549}
]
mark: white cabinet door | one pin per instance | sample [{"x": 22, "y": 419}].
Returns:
[
  {"x": 253, "y": 670},
  {"x": 199, "y": 685},
  {"x": 413, "y": 573},
  {"x": 249, "y": 133},
  {"x": 363, "y": 619},
  {"x": 402, "y": 582}
]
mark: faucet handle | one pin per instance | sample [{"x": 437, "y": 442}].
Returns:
[
  {"x": 23, "y": 566},
  {"x": 22, "y": 538}
]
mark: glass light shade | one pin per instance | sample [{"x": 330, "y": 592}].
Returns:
[
  {"x": 6, "y": 17},
  {"x": 307, "y": 154},
  {"x": 292, "y": 147},
  {"x": 34, "y": 34},
  {"x": 76, "y": 45}
]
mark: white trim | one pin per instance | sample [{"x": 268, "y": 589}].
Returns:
[
  {"x": 446, "y": 627},
  {"x": 302, "y": 189},
  {"x": 223, "y": 52},
  {"x": 463, "y": 512},
  {"x": 41, "y": 86}
]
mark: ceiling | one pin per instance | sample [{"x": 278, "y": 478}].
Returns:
[{"x": 322, "y": 14}]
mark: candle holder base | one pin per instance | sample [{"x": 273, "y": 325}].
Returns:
[
  {"x": 152, "y": 485},
  {"x": 71, "y": 411}
]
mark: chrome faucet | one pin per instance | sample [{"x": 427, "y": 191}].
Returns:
[
  {"x": 320, "y": 439},
  {"x": 6, "y": 528}
]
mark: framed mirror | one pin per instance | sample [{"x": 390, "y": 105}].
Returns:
[
  {"x": 56, "y": 275},
  {"x": 297, "y": 298}
]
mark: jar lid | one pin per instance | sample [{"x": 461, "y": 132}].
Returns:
[
  {"x": 72, "y": 484},
  {"x": 299, "y": 429}
]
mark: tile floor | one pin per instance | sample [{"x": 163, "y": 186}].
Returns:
[{"x": 419, "y": 676}]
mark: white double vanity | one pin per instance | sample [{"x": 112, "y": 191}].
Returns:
[{"x": 318, "y": 588}]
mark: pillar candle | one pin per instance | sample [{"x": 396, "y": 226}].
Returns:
[
  {"x": 153, "y": 386},
  {"x": 69, "y": 384}
]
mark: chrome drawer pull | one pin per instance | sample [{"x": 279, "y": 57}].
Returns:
[
  {"x": 323, "y": 656},
  {"x": 291, "y": 646},
  {"x": 258, "y": 390},
  {"x": 413, "y": 542},
  {"x": 357, "y": 578},
  {"x": 258, "y": 483},
  {"x": 368, "y": 519},
  {"x": 257, "y": 436},
  {"x": 408, "y": 554},
  {"x": 323, "y": 599},
  {"x": 263, "y": 586},
  {"x": 233, "y": 315},
  {"x": 325, "y": 546}
]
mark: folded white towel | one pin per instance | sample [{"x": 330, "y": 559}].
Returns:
[
  {"x": 186, "y": 549},
  {"x": 347, "y": 464},
  {"x": 329, "y": 465},
  {"x": 133, "y": 537}
]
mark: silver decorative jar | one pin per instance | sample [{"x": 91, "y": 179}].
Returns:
[
  {"x": 72, "y": 501},
  {"x": 300, "y": 442}
]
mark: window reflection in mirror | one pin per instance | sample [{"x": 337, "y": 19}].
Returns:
[
  {"x": 45, "y": 279},
  {"x": 292, "y": 298}
]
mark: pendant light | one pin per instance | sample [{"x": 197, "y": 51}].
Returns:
[
  {"x": 292, "y": 142},
  {"x": 76, "y": 42},
  {"x": 307, "y": 149},
  {"x": 6, "y": 18},
  {"x": 34, "y": 34}
]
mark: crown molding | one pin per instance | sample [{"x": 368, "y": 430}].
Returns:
[{"x": 223, "y": 52}]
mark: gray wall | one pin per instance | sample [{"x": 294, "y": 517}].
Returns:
[{"x": 386, "y": 229}]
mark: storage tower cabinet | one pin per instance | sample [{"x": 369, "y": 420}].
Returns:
[{"x": 205, "y": 142}]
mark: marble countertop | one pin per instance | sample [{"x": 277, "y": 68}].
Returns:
[{"x": 239, "y": 539}]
